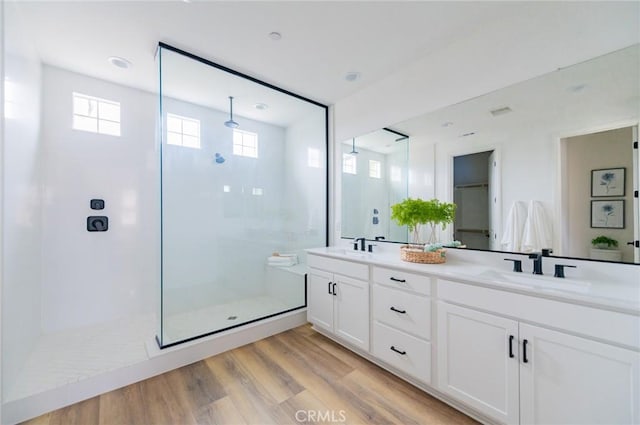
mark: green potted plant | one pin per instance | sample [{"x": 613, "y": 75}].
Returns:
[
  {"x": 604, "y": 242},
  {"x": 415, "y": 212}
]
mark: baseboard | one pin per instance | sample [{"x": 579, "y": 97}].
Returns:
[{"x": 159, "y": 361}]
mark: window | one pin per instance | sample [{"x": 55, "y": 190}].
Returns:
[
  {"x": 10, "y": 99},
  {"x": 313, "y": 157},
  {"x": 375, "y": 169},
  {"x": 183, "y": 131},
  {"x": 396, "y": 174},
  {"x": 348, "y": 163},
  {"x": 245, "y": 143},
  {"x": 96, "y": 115}
]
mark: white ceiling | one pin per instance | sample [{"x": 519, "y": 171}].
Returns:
[
  {"x": 321, "y": 41},
  {"x": 594, "y": 93}
]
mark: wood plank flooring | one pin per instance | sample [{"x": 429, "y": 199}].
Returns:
[{"x": 296, "y": 377}]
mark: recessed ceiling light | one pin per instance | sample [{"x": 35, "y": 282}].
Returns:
[
  {"x": 352, "y": 76},
  {"x": 447, "y": 124},
  {"x": 119, "y": 62},
  {"x": 275, "y": 35},
  {"x": 261, "y": 106}
]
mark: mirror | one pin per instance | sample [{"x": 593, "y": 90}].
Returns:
[
  {"x": 551, "y": 140},
  {"x": 374, "y": 177}
]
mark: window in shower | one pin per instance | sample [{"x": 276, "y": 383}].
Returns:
[
  {"x": 96, "y": 115},
  {"x": 375, "y": 169},
  {"x": 245, "y": 143},
  {"x": 349, "y": 163},
  {"x": 223, "y": 216},
  {"x": 183, "y": 131}
]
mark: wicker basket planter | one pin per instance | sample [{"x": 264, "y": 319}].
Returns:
[{"x": 416, "y": 254}]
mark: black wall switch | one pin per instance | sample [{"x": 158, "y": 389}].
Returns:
[
  {"x": 97, "y": 204},
  {"x": 97, "y": 223}
]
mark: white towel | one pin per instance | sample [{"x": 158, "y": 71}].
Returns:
[
  {"x": 283, "y": 260},
  {"x": 538, "y": 231},
  {"x": 514, "y": 227}
]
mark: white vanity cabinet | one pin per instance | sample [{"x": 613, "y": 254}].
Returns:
[
  {"x": 516, "y": 372},
  {"x": 402, "y": 321},
  {"x": 338, "y": 298},
  {"x": 478, "y": 361}
]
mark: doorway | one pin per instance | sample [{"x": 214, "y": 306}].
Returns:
[{"x": 473, "y": 193}]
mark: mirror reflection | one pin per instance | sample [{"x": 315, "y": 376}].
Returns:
[
  {"x": 534, "y": 165},
  {"x": 374, "y": 177}
]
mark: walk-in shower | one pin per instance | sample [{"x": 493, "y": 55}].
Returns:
[{"x": 240, "y": 202}]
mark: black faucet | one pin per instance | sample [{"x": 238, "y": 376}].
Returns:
[
  {"x": 537, "y": 262},
  {"x": 379, "y": 238},
  {"x": 362, "y": 242}
]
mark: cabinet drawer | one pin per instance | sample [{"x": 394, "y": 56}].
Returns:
[
  {"x": 408, "y": 312},
  {"x": 413, "y": 355},
  {"x": 404, "y": 280},
  {"x": 345, "y": 268}
]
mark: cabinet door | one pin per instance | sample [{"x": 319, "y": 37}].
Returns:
[
  {"x": 478, "y": 361},
  {"x": 320, "y": 299},
  {"x": 352, "y": 311},
  {"x": 568, "y": 380}
]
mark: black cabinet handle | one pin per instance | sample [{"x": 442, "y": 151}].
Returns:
[
  {"x": 329, "y": 288},
  {"x": 524, "y": 351},
  {"x": 397, "y": 280},
  {"x": 511, "y": 347},
  {"x": 334, "y": 289},
  {"x": 398, "y": 351},
  {"x": 398, "y": 311}
]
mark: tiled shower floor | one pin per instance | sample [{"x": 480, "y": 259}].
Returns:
[
  {"x": 180, "y": 326},
  {"x": 71, "y": 356}
]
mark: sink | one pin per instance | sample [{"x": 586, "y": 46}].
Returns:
[
  {"x": 540, "y": 281},
  {"x": 348, "y": 252}
]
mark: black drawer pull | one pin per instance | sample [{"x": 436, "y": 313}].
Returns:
[
  {"x": 397, "y": 280},
  {"x": 334, "y": 289},
  {"x": 398, "y": 311},
  {"x": 524, "y": 351},
  {"x": 329, "y": 288},
  {"x": 511, "y": 346},
  {"x": 398, "y": 351}
]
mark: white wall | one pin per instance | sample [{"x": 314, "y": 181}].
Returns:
[
  {"x": 305, "y": 206},
  {"x": 88, "y": 277},
  {"x": 609, "y": 149},
  {"x": 22, "y": 230}
]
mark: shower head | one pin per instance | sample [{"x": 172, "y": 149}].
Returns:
[
  {"x": 231, "y": 123},
  {"x": 353, "y": 148}
]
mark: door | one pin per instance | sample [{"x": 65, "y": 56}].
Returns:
[
  {"x": 320, "y": 299},
  {"x": 495, "y": 212},
  {"x": 636, "y": 201},
  {"x": 568, "y": 379},
  {"x": 478, "y": 361},
  {"x": 352, "y": 311}
]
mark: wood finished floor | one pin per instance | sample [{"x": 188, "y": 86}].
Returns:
[{"x": 266, "y": 382}]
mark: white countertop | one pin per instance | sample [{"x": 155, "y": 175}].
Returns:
[{"x": 603, "y": 293}]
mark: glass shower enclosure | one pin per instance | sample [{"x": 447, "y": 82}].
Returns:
[{"x": 243, "y": 193}]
